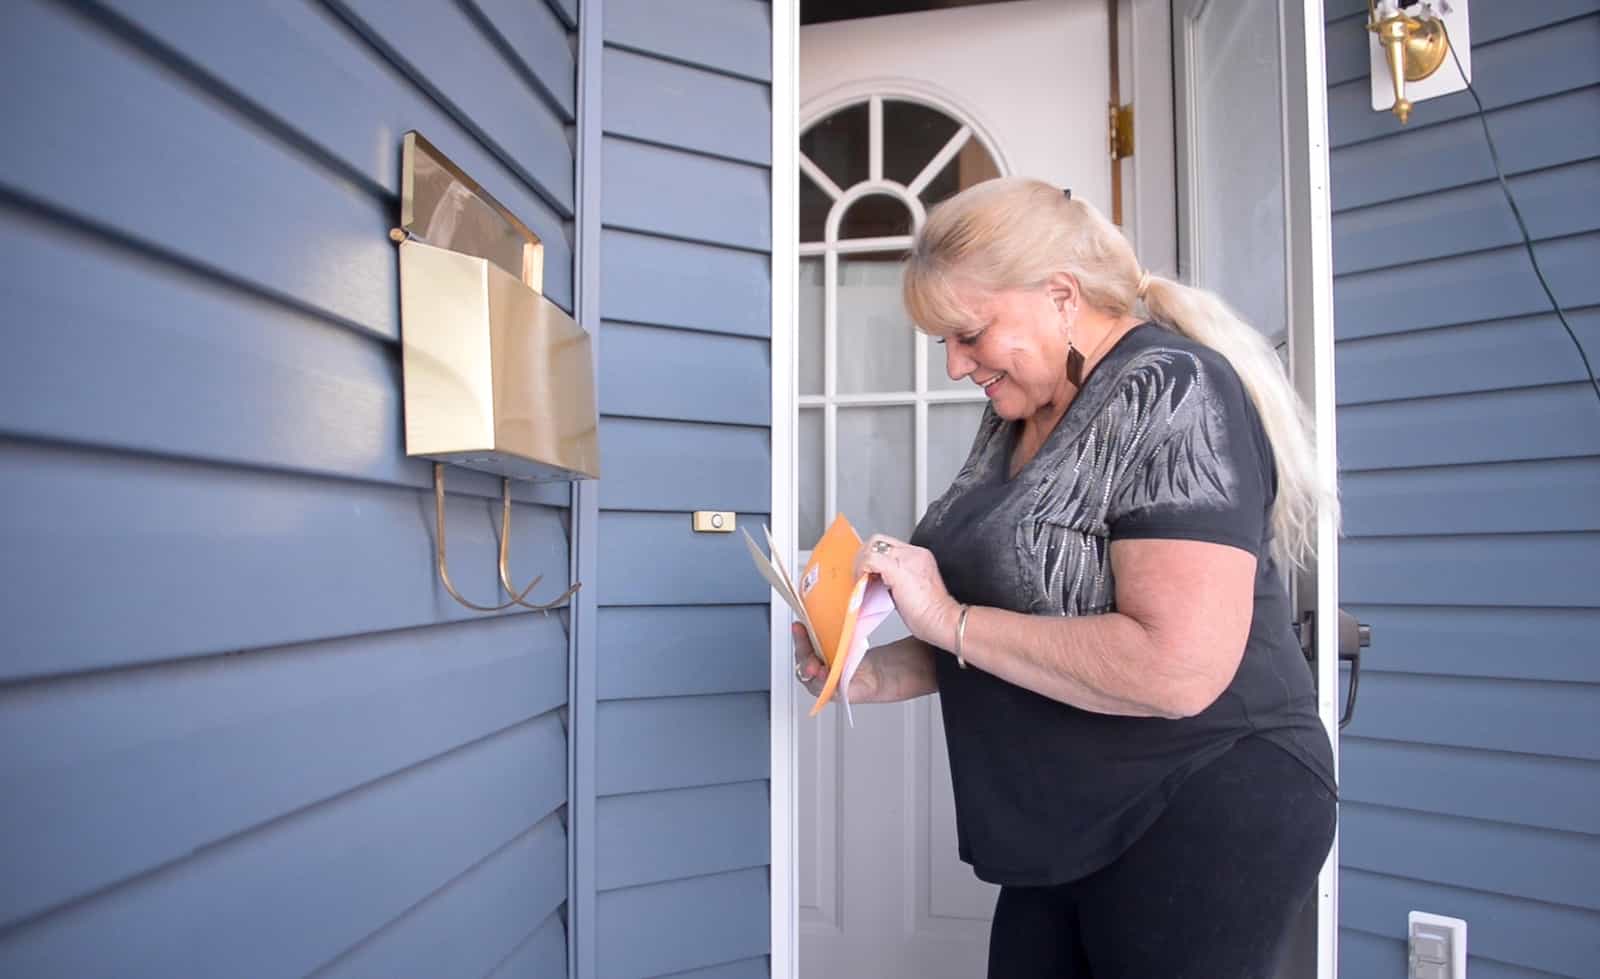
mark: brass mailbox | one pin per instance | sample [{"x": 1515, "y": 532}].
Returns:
[{"x": 497, "y": 378}]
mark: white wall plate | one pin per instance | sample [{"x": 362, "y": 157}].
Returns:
[{"x": 1442, "y": 82}]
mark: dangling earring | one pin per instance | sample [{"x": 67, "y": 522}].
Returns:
[{"x": 1074, "y": 356}]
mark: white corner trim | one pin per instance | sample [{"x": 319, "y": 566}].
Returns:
[{"x": 785, "y": 269}]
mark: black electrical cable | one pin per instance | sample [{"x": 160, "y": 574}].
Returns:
[{"x": 1516, "y": 212}]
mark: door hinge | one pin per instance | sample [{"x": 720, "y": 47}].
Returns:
[{"x": 1121, "y": 122}]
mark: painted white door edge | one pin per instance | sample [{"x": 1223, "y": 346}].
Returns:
[{"x": 784, "y": 888}]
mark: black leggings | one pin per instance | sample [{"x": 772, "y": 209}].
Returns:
[{"x": 1208, "y": 892}]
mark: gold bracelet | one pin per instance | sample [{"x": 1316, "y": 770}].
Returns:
[{"x": 961, "y": 635}]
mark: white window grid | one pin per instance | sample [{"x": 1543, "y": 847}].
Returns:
[{"x": 830, "y": 249}]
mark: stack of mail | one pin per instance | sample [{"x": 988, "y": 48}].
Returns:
[{"x": 838, "y": 608}]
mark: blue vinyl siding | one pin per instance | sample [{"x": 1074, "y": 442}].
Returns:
[
  {"x": 1470, "y": 448},
  {"x": 681, "y": 729},
  {"x": 243, "y": 730}
]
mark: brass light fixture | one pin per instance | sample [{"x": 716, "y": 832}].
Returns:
[{"x": 1414, "y": 47}]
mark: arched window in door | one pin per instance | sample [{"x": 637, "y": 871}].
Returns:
[{"x": 881, "y": 426}]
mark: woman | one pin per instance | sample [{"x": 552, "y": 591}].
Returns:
[{"x": 1098, "y": 600}]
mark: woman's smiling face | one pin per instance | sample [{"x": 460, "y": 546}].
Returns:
[{"x": 1015, "y": 349}]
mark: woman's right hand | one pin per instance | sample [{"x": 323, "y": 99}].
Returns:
[{"x": 812, "y": 672}]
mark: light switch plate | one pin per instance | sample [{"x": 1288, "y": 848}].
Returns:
[
  {"x": 1437, "y": 946},
  {"x": 1442, "y": 82}
]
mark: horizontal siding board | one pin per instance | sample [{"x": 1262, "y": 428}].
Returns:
[
  {"x": 658, "y": 651},
  {"x": 665, "y": 191},
  {"x": 167, "y": 137},
  {"x": 1510, "y": 569},
  {"x": 1506, "y": 643},
  {"x": 681, "y": 742},
  {"x": 321, "y": 84},
  {"x": 682, "y": 374},
  {"x": 1531, "y": 934},
  {"x": 1518, "y": 861},
  {"x": 1364, "y": 954},
  {"x": 751, "y": 968},
  {"x": 646, "y": 838},
  {"x": 669, "y": 564},
  {"x": 475, "y": 921},
  {"x": 1467, "y": 288},
  {"x": 1525, "y": 790},
  {"x": 330, "y": 875},
  {"x": 1529, "y": 65},
  {"x": 1483, "y": 968},
  {"x": 442, "y": 51},
  {"x": 645, "y": 279},
  {"x": 543, "y": 953},
  {"x": 281, "y": 388},
  {"x": 672, "y": 927},
  {"x": 1348, "y": 45},
  {"x": 537, "y": 43},
  {"x": 677, "y": 105},
  {"x": 1526, "y": 716},
  {"x": 1522, "y": 497},
  {"x": 198, "y": 559},
  {"x": 184, "y": 365},
  {"x": 734, "y": 36},
  {"x": 567, "y": 10},
  {"x": 104, "y": 801},
  {"x": 1501, "y": 426},
  {"x": 666, "y": 465},
  {"x": 1559, "y": 201},
  {"x": 1547, "y": 132},
  {"x": 1524, "y": 351}
]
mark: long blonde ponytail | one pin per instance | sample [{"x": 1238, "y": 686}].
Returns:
[{"x": 1015, "y": 232}]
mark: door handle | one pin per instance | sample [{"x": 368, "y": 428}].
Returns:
[{"x": 1354, "y": 636}]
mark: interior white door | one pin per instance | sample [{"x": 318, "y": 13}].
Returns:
[
  {"x": 1254, "y": 225},
  {"x": 882, "y": 430}
]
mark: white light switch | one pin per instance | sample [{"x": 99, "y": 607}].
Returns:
[{"x": 1437, "y": 946}]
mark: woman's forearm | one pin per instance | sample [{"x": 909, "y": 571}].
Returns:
[
  {"x": 905, "y": 670},
  {"x": 1102, "y": 663}
]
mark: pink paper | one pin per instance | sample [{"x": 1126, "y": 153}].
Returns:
[{"x": 876, "y": 604}]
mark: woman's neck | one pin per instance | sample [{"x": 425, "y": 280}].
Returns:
[
  {"x": 1099, "y": 334},
  {"x": 1102, "y": 333}
]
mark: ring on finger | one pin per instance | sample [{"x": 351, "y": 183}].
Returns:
[
  {"x": 800, "y": 672},
  {"x": 881, "y": 547}
]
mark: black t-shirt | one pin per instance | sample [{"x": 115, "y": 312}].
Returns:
[{"x": 1162, "y": 442}]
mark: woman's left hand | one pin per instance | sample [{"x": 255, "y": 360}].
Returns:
[{"x": 912, "y": 576}]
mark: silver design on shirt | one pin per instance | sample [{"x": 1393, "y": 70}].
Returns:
[{"x": 1158, "y": 441}]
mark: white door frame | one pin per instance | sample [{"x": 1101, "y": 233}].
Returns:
[
  {"x": 1310, "y": 296},
  {"x": 785, "y": 272},
  {"x": 1308, "y": 268},
  {"x": 1310, "y": 241}
]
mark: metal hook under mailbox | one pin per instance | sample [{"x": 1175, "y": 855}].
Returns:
[{"x": 505, "y": 554}]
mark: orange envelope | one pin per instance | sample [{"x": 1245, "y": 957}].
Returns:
[{"x": 832, "y": 597}]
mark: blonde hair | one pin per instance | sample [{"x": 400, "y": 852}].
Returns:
[{"x": 1014, "y": 233}]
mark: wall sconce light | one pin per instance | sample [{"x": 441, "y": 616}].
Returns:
[
  {"x": 1411, "y": 42},
  {"x": 497, "y": 377}
]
